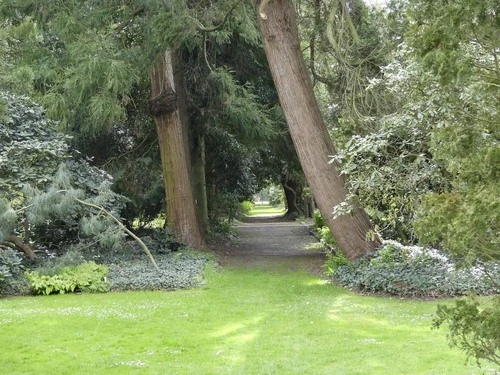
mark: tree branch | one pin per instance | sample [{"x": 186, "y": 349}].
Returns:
[
  {"x": 124, "y": 228},
  {"x": 124, "y": 24},
  {"x": 21, "y": 245},
  {"x": 215, "y": 28},
  {"x": 350, "y": 24}
]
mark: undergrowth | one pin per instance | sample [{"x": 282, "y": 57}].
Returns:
[{"x": 412, "y": 271}]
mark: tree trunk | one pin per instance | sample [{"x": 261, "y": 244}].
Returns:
[
  {"x": 278, "y": 26},
  {"x": 197, "y": 141},
  {"x": 291, "y": 197},
  {"x": 167, "y": 105}
]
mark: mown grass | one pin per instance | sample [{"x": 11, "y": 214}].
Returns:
[
  {"x": 266, "y": 210},
  {"x": 240, "y": 322}
]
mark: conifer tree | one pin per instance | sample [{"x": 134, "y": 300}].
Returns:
[
  {"x": 277, "y": 21},
  {"x": 89, "y": 59}
]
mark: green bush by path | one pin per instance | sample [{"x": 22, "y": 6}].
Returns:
[
  {"x": 240, "y": 322},
  {"x": 246, "y": 207},
  {"x": 86, "y": 277}
]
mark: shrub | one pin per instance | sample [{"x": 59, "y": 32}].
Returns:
[
  {"x": 55, "y": 265},
  {"x": 86, "y": 277},
  {"x": 335, "y": 261},
  {"x": 246, "y": 207},
  {"x": 319, "y": 222},
  {"x": 10, "y": 264},
  {"x": 475, "y": 329},
  {"x": 11, "y": 271},
  {"x": 413, "y": 271},
  {"x": 35, "y": 157},
  {"x": 322, "y": 230},
  {"x": 326, "y": 236}
]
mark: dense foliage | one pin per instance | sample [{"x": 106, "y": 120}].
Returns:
[
  {"x": 11, "y": 269},
  {"x": 87, "y": 277},
  {"x": 474, "y": 327},
  {"x": 412, "y": 99},
  {"x": 37, "y": 168},
  {"x": 425, "y": 162},
  {"x": 178, "y": 271},
  {"x": 412, "y": 271}
]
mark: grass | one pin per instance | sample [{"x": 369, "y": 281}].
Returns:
[
  {"x": 240, "y": 322},
  {"x": 266, "y": 210}
]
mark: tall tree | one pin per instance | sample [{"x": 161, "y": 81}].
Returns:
[
  {"x": 278, "y": 26},
  {"x": 92, "y": 59},
  {"x": 168, "y": 105}
]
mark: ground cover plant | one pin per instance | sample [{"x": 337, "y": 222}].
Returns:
[
  {"x": 240, "y": 322},
  {"x": 125, "y": 269},
  {"x": 413, "y": 271}
]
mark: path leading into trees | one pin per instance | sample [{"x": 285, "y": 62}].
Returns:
[{"x": 272, "y": 243}]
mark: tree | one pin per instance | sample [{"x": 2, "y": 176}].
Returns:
[
  {"x": 277, "y": 22},
  {"x": 457, "y": 47},
  {"x": 168, "y": 105},
  {"x": 88, "y": 75}
]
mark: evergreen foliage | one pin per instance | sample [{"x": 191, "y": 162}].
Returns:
[
  {"x": 466, "y": 134},
  {"x": 11, "y": 266},
  {"x": 392, "y": 168},
  {"x": 101, "y": 67},
  {"x": 474, "y": 327},
  {"x": 41, "y": 181}
]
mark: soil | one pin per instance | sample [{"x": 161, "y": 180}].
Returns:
[{"x": 273, "y": 243}]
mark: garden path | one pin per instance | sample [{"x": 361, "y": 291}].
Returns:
[{"x": 273, "y": 243}]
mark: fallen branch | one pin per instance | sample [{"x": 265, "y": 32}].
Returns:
[
  {"x": 21, "y": 245},
  {"x": 124, "y": 228}
]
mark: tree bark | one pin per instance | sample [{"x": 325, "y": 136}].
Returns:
[
  {"x": 168, "y": 107},
  {"x": 291, "y": 197},
  {"x": 199, "y": 184},
  {"x": 307, "y": 128}
]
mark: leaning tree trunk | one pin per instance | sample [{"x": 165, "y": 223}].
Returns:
[
  {"x": 167, "y": 105},
  {"x": 278, "y": 27}
]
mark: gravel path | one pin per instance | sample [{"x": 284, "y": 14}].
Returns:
[{"x": 270, "y": 243}]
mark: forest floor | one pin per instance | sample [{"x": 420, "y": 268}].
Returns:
[{"x": 273, "y": 243}]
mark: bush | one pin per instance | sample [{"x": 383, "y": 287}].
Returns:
[
  {"x": 11, "y": 271},
  {"x": 246, "y": 207},
  {"x": 326, "y": 236},
  {"x": 475, "y": 329},
  {"x": 414, "y": 271},
  {"x": 35, "y": 157},
  {"x": 336, "y": 261},
  {"x": 55, "y": 265},
  {"x": 10, "y": 264},
  {"x": 319, "y": 222},
  {"x": 322, "y": 230},
  {"x": 87, "y": 277}
]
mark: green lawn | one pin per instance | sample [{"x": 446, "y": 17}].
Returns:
[
  {"x": 266, "y": 210},
  {"x": 240, "y": 322}
]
